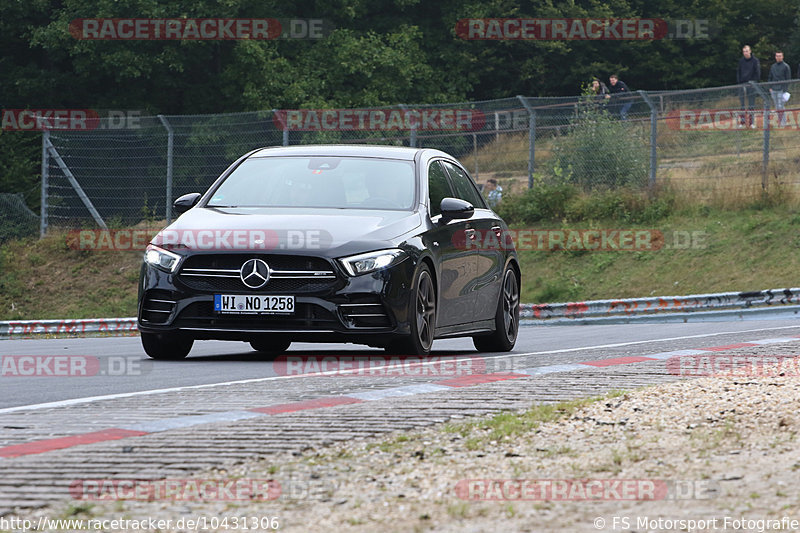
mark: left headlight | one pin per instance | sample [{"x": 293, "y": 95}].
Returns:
[
  {"x": 161, "y": 258},
  {"x": 355, "y": 265}
]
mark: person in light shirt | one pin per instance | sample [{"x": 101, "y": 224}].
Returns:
[{"x": 494, "y": 192}]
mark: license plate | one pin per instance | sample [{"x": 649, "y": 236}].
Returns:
[{"x": 252, "y": 304}]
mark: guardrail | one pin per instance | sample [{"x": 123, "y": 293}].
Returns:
[
  {"x": 571, "y": 310},
  {"x": 24, "y": 328},
  {"x": 661, "y": 304}
]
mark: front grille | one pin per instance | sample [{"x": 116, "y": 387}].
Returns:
[
  {"x": 157, "y": 306},
  {"x": 306, "y": 316},
  {"x": 288, "y": 274},
  {"x": 365, "y": 311}
]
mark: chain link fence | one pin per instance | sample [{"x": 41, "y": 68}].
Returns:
[
  {"x": 717, "y": 144},
  {"x": 16, "y": 220}
]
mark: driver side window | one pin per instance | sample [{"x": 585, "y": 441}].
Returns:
[
  {"x": 438, "y": 188},
  {"x": 464, "y": 187}
]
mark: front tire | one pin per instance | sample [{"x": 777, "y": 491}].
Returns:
[
  {"x": 506, "y": 319},
  {"x": 164, "y": 346},
  {"x": 423, "y": 317}
]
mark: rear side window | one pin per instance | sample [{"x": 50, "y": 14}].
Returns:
[
  {"x": 438, "y": 187},
  {"x": 465, "y": 190}
]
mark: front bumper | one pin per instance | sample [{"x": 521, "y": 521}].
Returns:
[{"x": 369, "y": 309}]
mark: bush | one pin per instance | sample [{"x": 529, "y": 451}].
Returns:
[
  {"x": 545, "y": 201},
  {"x": 601, "y": 151},
  {"x": 565, "y": 202}
]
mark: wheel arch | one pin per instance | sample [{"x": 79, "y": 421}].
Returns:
[
  {"x": 428, "y": 260},
  {"x": 514, "y": 263}
]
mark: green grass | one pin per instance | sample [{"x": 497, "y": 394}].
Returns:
[
  {"x": 42, "y": 279},
  {"x": 508, "y": 425},
  {"x": 743, "y": 250}
]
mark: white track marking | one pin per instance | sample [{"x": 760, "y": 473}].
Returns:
[{"x": 90, "y": 399}]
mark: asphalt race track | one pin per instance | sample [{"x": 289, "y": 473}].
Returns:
[{"x": 213, "y": 362}]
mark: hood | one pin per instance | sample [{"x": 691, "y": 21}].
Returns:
[{"x": 330, "y": 232}]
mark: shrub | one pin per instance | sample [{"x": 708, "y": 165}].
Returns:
[
  {"x": 600, "y": 151},
  {"x": 565, "y": 202},
  {"x": 545, "y": 201}
]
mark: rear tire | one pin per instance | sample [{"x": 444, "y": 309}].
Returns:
[
  {"x": 506, "y": 319},
  {"x": 422, "y": 317},
  {"x": 166, "y": 346},
  {"x": 270, "y": 346}
]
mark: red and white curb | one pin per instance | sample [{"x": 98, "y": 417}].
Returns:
[{"x": 156, "y": 426}]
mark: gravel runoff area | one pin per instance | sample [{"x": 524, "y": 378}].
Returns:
[{"x": 706, "y": 454}]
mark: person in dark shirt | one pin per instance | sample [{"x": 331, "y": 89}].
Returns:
[
  {"x": 749, "y": 69},
  {"x": 779, "y": 72},
  {"x": 620, "y": 91}
]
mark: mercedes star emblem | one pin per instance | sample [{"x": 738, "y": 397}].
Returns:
[{"x": 254, "y": 273}]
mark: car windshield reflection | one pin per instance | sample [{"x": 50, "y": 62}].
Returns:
[{"x": 318, "y": 182}]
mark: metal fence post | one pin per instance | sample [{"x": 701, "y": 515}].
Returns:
[
  {"x": 531, "y": 139},
  {"x": 412, "y": 136},
  {"x": 170, "y": 144},
  {"x": 475, "y": 153},
  {"x": 285, "y": 128},
  {"x": 45, "y": 176},
  {"x": 765, "y": 154},
  {"x": 75, "y": 185},
  {"x": 653, "y": 137}
]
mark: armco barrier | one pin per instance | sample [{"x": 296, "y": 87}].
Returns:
[
  {"x": 593, "y": 308},
  {"x": 660, "y": 304},
  {"x": 24, "y": 328}
]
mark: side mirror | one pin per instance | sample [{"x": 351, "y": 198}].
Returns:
[
  {"x": 455, "y": 209},
  {"x": 186, "y": 202}
]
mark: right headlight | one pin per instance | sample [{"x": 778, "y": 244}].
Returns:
[
  {"x": 161, "y": 258},
  {"x": 355, "y": 265}
]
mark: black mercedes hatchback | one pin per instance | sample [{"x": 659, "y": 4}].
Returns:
[{"x": 385, "y": 246}]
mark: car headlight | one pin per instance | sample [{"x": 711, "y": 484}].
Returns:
[
  {"x": 161, "y": 258},
  {"x": 355, "y": 265}
]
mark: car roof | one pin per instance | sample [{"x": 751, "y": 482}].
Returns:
[{"x": 344, "y": 150}]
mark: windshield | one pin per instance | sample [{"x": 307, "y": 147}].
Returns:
[{"x": 332, "y": 182}]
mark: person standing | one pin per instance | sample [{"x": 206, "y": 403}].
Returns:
[
  {"x": 779, "y": 72},
  {"x": 619, "y": 90},
  {"x": 749, "y": 69},
  {"x": 494, "y": 192}
]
